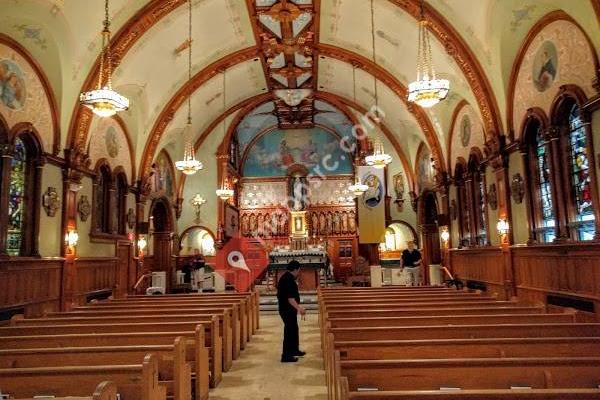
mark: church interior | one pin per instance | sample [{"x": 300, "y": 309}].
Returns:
[{"x": 163, "y": 162}]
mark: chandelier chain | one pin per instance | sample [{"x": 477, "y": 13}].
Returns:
[
  {"x": 189, "y": 116},
  {"x": 374, "y": 51}
]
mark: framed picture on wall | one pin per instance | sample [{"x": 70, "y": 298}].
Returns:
[{"x": 232, "y": 221}]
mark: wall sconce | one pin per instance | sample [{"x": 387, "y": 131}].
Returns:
[
  {"x": 141, "y": 244},
  {"x": 502, "y": 227},
  {"x": 71, "y": 239},
  {"x": 445, "y": 235}
]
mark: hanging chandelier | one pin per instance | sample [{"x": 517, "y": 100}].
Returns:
[
  {"x": 427, "y": 90},
  {"x": 189, "y": 165},
  {"x": 225, "y": 193},
  {"x": 379, "y": 158},
  {"x": 104, "y": 101}
]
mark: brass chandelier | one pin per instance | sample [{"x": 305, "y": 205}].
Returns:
[{"x": 104, "y": 101}]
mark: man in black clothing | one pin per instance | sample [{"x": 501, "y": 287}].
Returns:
[
  {"x": 288, "y": 298},
  {"x": 411, "y": 262}
]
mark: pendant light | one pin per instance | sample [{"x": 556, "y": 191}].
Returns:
[
  {"x": 104, "y": 101},
  {"x": 189, "y": 165},
  {"x": 427, "y": 90},
  {"x": 357, "y": 188},
  {"x": 225, "y": 192},
  {"x": 379, "y": 158}
]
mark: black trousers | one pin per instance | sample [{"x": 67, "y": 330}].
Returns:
[{"x": 291, "y": 337}]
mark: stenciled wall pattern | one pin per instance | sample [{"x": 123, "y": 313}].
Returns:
[{"x": 558, "y": 55}]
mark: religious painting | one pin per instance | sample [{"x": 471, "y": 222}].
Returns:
[
  {"x": 374, "y": 194},
  {"x": 12, "y": 85},
  {"x": 399, "y": 185},
  {"x": 163, "y": 179},
  {"x": 110, "y": 141},
  {"x": 316, "y": 149},
  {"x": 232, "y": 217},
  {"x": 465, "y": 130},
  {"x": 545, "y": 66},
  {"x": 424, "y": 175}
]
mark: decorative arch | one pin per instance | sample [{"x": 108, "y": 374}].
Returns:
[
  {"x": 163, "y": 208},
  {"x": 461, "y": 104},
  {"x": 533, "y": 33},
  {"x": 407, "y": 225},
  {"x": 49, "y": 93}
]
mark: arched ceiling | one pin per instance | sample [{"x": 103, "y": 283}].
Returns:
[{"x": 474, "y": 45}]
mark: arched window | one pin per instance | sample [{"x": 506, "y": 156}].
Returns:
[
  {"x": 16, "y": 199},
  {"x": 121, "y": 204},
  {"x": 479, "y": 210},
  {"x": 23, "y": 197},
  {"x": 102, "y": 214},
  {"x": 580, "y": 177},
  {"x": 538, "y": 164},
  {"x": 464, "y": 216}
]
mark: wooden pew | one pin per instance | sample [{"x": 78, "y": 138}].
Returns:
[
  {"x": 104, "y": 391},
  {"x": 410, "y": 312},
  {"x": 451, "y": 320},
  {"x": 228, "y": 313},
  {"x": 481, "y": 394},
  {"x": 174, "y": 370},
  {"x": 225, "y": 304},
  {"x": 245, "y": 305},
  {"x": 254, "y": 296},
  {"x": 21, "y": 351},
  {"x": 225, "y": 330},
  {"x": 475, "y": 373},
  {"x": 213, "y": 340},
  {"x": 136, "y": 381}
]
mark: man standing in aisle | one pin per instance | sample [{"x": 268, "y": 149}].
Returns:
[
  {"x": 411, "y": 262},
  {"x": 288, "y": 298}
]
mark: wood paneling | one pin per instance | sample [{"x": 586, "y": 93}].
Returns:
[
  {"x": 95, "y": 275},
  {"x": 566, "y": 269},
  {"x": 30, "y": 284},
  {"x": 480, "y": 264}
]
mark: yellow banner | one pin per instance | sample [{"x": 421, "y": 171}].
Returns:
[{"x": 371, "y": 206}]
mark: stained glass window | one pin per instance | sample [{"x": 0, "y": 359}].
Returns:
[
  {"x": 16, "y": 199},
  {"x": 482, "y": 236},
  {"x": 580, "y": 177},
  {"x": 546, "y": 231}
]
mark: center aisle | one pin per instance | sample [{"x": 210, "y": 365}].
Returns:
[{"x": 258, "y": 374}]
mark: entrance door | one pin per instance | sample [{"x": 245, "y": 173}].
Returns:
[
  {"x": 428, "y": 225},
  {"x": 124, "y": 263},
  {"x": 162, "y": 239}
]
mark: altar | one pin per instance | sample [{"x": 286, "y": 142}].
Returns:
[{"x": 313, "y": 262}]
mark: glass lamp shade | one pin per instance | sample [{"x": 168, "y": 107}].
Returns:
[
  {"x": 224, "y": 194},
  {"x": 358, "y": 188},
  {"x": 428, "y": 92},
  {"x": 189, "y": 165},
  {"x": 379, "y": 159},
  {"x": 104, "y": 102}
]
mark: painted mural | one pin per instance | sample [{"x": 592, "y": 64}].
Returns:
[
  {"x": 545, "y": 66},
  {"x": 12, "y": 85},
  {"x": 559, "y": 54},
  {"x": 316, "y": 149},
  {"x": 108, "y": 140},
  {"x": 467, "y": 133},
  {"x": 163, "y": 175},
  {"x": 22, "y": 96}
]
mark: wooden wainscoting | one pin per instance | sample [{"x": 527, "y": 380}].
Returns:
[
  {"x": 559, "y": 273},
  {"x": 30, "y": 285},
  {"x": 483, "y": 266},
  {"x": 95, "y": 277}
]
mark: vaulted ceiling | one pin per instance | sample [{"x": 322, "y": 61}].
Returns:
[{"x": 245, "y": 50}]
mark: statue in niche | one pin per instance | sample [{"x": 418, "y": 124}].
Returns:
[
  {"x": 298, "y": 192},
  {"x": 286, "y": 225},
  {"x": 260, "y": 222},
  {"x": 344, "y": 222},
  {"x": 252, "y": 229},
  {"x": 314, "y": 223},
  {"x": 328, "y": 221},
  {"x": 267, "y": 225},
  {"x": 352, "y": 222},
  {"x": 322, "y": 224},
  {"x": 336, "y": 223},
  {"x": 245, "y": 225}
]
